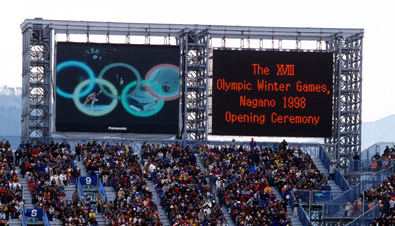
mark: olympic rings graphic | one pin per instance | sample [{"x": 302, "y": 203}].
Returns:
[
  {"x": 152, "y": 107},
  {"x": 136, "y": 73},
  {"x": 147, "y": 97},
  {"x": 95, "y": 110},
  {"x": 83, "y": 66},
  {"x": 166, "y": 75}
]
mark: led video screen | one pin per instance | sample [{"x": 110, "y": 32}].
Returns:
[
  {"x": 267, "y": 93},
  {"x": 117, "y": 88}
]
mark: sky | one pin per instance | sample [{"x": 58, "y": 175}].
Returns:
[{"x": 376, "y": 17}]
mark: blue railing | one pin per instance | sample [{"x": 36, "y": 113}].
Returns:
[
  {"x": 341, "y": 181},
  {"x": 326, "y": 160},
  {"x": 369, "y": 165},
  {"x": 301, "y": 213},
  {"x": 303, "y": 216},
  {"x": 102, "y": 192},
  {"x": 375, "y": 148},
  {"x": 292, "y": 201},
  {"x": 366, "y": 218},
  {"x": 335, "y": 207},
  {"x": 46, "y": 220},
  {"x": 24, "y": 223},
  {"x": 80, "y": 190}
]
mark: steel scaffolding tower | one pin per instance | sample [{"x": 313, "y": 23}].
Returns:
[
  {"x": 194, "y": 74},
  {"x": 347, "y": 103},
  {"x": 195, "y": 43},
  {"x": 36, "y": 79}
]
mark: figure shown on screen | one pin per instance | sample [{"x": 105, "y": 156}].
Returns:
[
  {"x": 166, "y": 87},
  {"x": 92, "y": 97},
  {"x": 121, "y": 82}
]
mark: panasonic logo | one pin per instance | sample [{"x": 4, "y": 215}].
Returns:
[{"x": 117, "y": 128}]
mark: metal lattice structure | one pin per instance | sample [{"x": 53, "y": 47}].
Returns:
[
  {"x": 347, "y": 104},
  {"x": 196, "y": 44},
  {"x": 36, "y": 79},
  {"x": 194, "y": 74}
]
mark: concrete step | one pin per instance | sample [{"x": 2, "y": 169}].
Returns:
[
  {"x": 320, "y": 166},
  {"x": 227, "y": 216},
  {"x": 56, "y": 222},
  {"x": 225, "y": 212},
  {"x": 14, "y": 222},
  {"x": 335, "y": 189},
  {"x": 156, "y": 199},
  {"x": 110, "y": 192},
  {"x": 29, "y": 206},
  {"x": 295, "y": 220}
]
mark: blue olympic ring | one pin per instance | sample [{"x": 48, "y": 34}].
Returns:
[
  {"x": 83, "y": 66},
  {"x": 136, "y": 73},
  {"x": 143, "y": 113}
]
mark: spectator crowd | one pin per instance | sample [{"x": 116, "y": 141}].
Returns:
[
  {"x": 244, "y": 177},
  {"x": 238, "y": 178}
]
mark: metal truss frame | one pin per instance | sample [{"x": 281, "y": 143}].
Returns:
[
  {"x": 195, "y": 43},
  {"x": 194, "y": 76},
  {"x": 36, "y": 79},
  {"x": 347, "y": 102}
]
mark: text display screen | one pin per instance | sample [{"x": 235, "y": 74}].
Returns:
[{"x": 264, "y": 93}]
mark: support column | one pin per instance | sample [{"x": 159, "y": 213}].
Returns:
[{"x": 36, "y": 82}]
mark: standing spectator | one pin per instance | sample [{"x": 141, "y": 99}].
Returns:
[
  {"x": 78, "y": 152},
  {"x": 212, "y": 179},
  {"x": 252, "y": 144},
  {"x": 356, "y": 161},
  {"x": 233, "y": 143},
  {"x": 221, "y": 198},
  {"x": 22, "y": 167},
  {"x": 98, "y": 204},
  {"x": 347, "y": 209},
  {"x": 284, "y": 145},
  {"x": 331, "y": 172},
  {"x": 18, "y": 156},
  {"x": 296, "y": 207}
]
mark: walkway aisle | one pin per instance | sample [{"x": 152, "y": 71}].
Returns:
[
  {"x": 99, "y": 216},
  {"x": 335, "y": 189},
  {"x": 295, "y": 220},
  {"x": 155, "y": 197},
  {"x": 225, "y": 212}
]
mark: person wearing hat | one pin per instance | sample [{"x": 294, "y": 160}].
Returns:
[
  {"x": 92, "y": 215},
  {"x": 347, "y": 209}
]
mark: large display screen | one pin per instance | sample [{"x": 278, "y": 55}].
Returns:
[
  {"x": 118, "y": 88},
  {"x": 264, "y": 93}
]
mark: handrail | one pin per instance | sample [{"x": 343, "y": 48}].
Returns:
[
  {"x": 334, "y": 206},
  {"x": 341, "y": 181},
  {"x": 367, "y": 217},
  {"x": 80, "y": 190},
  {"x": 24, "y": 223}
]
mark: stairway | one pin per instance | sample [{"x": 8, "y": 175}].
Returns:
[
  {"x": 28, "y": 200},
  {"x": 295, "y": 220},
  {"x": 100, "y": 218},
  {"x": 56, "y": 222},
  {"x": 81, "y": 165},
  {"x": 69, "y": 191},
  {"x": 335, "y": 189},
  {"x": 14, "y": 222},
  {"x": 155, "y": 197},
  {"x": 225, "y": 212},
  {"x": 27, "y": 196},
  {"x": 111, "y": 195}
]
